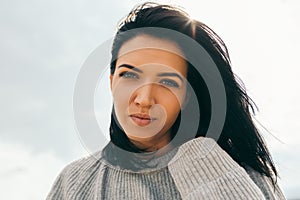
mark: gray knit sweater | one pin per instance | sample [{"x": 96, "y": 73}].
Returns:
[{"x": 199, "y": 169}]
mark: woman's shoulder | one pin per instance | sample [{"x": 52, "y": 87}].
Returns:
[
  {"x": 83, "y": 164},
  {"x": 202, "y": 148},
  {"x": 210, "y": 165},
  {"x": 269, "y": 189},
  {"x": 75, "y": 175},
  {"x": 203, "y": 156},
  {"x": 202, "y": 168}
]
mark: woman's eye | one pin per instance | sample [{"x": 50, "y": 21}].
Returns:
[
  {"x": 169, "y": 83},
  {"x": 129, "y": 75}
]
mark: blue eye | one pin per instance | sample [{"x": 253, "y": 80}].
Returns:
[
  {"x": 169, "y": 83},
  {"x": 129, "y": 75}
]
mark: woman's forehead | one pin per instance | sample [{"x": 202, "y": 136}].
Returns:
[
  {"x": 145, "y": 50},
  {"x": 143, "y": 42}
]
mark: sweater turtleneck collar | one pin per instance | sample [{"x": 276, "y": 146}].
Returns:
[{"x": 138, "y": 162}]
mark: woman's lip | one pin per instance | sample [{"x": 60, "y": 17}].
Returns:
[
  {"x": 141, "y": 120},
  {"x": 142, "y": 116}
]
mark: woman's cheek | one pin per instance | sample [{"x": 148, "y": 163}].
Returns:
[{"x": 122, "y": 90}]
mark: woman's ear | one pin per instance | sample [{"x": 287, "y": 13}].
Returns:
[{"x": 111, "y": 78}]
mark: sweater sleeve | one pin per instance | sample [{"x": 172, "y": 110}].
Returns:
[
  {"x": 202, "y": 170},
  {"x": 270, "y": 191}
]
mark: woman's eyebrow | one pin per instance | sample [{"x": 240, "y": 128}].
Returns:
[
  {"x": 170, "y": 74},
  {"x": 131, "y": 67},
  {"x": 160, "y": 74}
]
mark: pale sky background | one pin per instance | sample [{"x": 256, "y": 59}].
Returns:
[{"x": 44, "y": 44}]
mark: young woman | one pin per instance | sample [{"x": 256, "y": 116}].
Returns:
[{"x": 181, "y": 126}]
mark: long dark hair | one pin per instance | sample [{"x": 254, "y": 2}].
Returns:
[{"x": 239, "y": 137}]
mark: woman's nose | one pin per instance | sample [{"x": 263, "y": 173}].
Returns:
[{"x": 144, "y": 96}]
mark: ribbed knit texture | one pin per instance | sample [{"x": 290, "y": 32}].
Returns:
[
  {"x": 199, "y": 170},
  {"x": 265, "y": 184}
]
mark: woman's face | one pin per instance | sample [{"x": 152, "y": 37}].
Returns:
[{"x": 149, "y": 89}]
